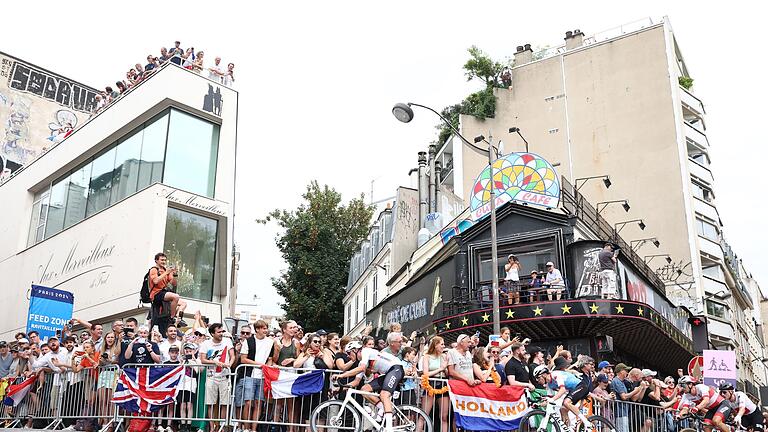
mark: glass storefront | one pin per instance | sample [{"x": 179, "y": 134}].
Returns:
[
  {"x": 190, "y": 244},
  {"x": 174, "y": 147}
]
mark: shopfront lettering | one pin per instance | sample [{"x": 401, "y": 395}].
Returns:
[
  {"x": 193, "y": 201},
  {"x": 408, "y": 312},
  {"x": 74, "y": 263}
]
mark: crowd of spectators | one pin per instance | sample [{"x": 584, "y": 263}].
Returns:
[{"x": 186, "y": 58}]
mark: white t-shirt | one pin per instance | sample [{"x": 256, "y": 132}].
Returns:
[
  {"x": 165, "y": 347},
  {"x": 263, "y": 350},
  {"x": 512, "y": 274},
  {"x": 63, "y": 356},
  {"x": 742, "y": 400},
  {"x": 217, "y": 351},
  {"x": 378, "y": 361},
  {"x": 216, "y": 68},
  {"x": 461, "y": 363}
]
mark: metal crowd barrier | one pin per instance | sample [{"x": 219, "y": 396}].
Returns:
[{"x": 637, "y": 417}]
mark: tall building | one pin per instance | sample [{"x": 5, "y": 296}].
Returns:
[
  {"x": 615, "y": 104},
  {"x": 89, "y": 199}
]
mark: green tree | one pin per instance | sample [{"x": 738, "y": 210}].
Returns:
[
  {"x": 319, "y": 238},
  {"x": 481, "y": 66}
]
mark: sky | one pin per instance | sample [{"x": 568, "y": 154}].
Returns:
[{"x": 317, "y": 81}]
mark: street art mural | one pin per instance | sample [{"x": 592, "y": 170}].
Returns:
[{"x": 38, "y": 109}]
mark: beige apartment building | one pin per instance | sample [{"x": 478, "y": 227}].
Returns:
[{"x": 611, "y": 105}]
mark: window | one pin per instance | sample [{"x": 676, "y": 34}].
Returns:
[
  {"x": 133, "y": 163},
  {"x": 193, "y": 145},
  {"x": 375, "y": 288},
  {"x": 100, "y": 182},
  {"x": 349, "y": 317},
  {"x": 190, "y": 244},
  {"x": 707, "y": 230},
  {"x": 701, "y": 192},
  {"x": 77, "y": 196},
  {"x": 365, "y": 298},
  {"x": 533, "y": 255},
  {"x": 357, "y": 308},
  {"x": 717, "y": 310}
]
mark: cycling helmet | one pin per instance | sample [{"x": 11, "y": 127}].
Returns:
[
  {"x": 725, "y": 386},
  {"x": 353, "y": 345},
  {"x": 686, "y": 379},
  {"x": 540, "y": 370}
]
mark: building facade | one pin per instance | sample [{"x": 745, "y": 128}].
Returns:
[
  {"x": 613, "y": 106},
  {"x": 152, "y": 172}
]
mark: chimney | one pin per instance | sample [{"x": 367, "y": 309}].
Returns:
[
  {"x": 523, "y": 55},
  {"x": 423, "y": 193},
  {"x": 438, "y": 170},
  {"x": 573, "y": 39},
  {"x": 432, "y": 180}
]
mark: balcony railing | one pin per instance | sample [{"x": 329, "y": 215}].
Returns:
[
  {"x": 692, "y": 102},
  {"x": 696, "y": 136}
]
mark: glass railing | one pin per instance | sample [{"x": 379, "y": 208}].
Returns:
[{"x": 692, "y": 102}]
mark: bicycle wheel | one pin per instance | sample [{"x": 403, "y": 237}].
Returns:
[
  {"x": 532, "y": 421},
  {"x": 413, "y": 419},
  {"x": 599, "y": 424},
  {"x": 328, "y": 416}
]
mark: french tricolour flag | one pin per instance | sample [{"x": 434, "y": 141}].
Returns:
[
  {"x": 486, "y": 407},
  {"x": 16, "y": 392},
  {"x": 285, "y": 384}
]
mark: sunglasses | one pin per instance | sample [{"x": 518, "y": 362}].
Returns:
[
  {"x": 317, "y": 341},
  {"x": 245, "y": 333}
]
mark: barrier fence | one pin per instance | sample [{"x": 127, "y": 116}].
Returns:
[{"x": 211, "y": 400}]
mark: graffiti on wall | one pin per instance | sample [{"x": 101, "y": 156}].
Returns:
[{"x": 37, "y": 110}]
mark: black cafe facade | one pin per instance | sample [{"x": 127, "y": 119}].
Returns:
[{"x": 451, "y": 293}]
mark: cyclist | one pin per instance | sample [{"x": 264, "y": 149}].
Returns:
[
  {"x": 567, "y": 387},
  {"x": 390, "y": 372},
  {"x": 701, "y": 397},
  {"x": 747, "y": 414}
]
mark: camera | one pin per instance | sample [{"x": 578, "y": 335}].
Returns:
[
  {"x": 105, "y": 356},
  {"x": 188, "y": 356}
]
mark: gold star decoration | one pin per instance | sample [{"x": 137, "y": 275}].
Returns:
[
  {"x": 485, "y": 317},
  {"x": 594, "y": 308},
  {"x": 566, "y": 309},
  {"x": 510, "y": 313},
  {"x": 619, "y": 309},
  {"x": 640, "y": 311},
  {"x": 465, "y": 321},
  {"x": 537, "y": 311},
  {"x": 447, "y": 325}
]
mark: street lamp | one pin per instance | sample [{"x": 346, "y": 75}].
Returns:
[
  {"x": 404, "y": 113},
  {"x": 584, "y": 180},
  {"x": 647, "y": 260},
  {"x": 605, "y": 204},
  {"x": 514, "y": 129},
  {"x": 616, "y": 226},
  {"x": 636, "y": 244}
]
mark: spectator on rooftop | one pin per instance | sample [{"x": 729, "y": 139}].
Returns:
[
  {"x": 164, "y": 55},
  {"x": 177, "y": 52},
  {"x": 140, "y": 73},
  {"x": 197, "y": 64},
  {"x": 152, "y": 63},
  {"x": 229, "y": 75},
  {"x": 121, "y": 87},
  {"x": 216, "y": 71},
  {"x": 113, "y": 94}
]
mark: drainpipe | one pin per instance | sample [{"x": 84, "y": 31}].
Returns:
[
  {"x": 432, "y": 202},
  {"x": 438, "y": 170},
  {"x": 423, "y": 198}
]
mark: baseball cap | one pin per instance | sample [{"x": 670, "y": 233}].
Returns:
[
  {"x": 190, "y": 345},
  {"x": 23, "y": 341},
  {"x": 648, "y": 372},
  {"x": 201, "y": 330},
  {"x": 602, "y": 378},
  {"x": 533, "y": 350},
  {"x": 561, "y": 363},
  {"x": 3, "y": 344},
  {"x": 321, "y": 332},
  {"x": 461, "y": 337},
  {"x": 621, "y": 367},
  {"x": 550, "y": 263},
  {"x": 603, "y": 364},
  {"x": 173, "y": 348}
]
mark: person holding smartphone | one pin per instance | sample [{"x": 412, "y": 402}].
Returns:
[
  {"x": 162, "y": 288},
  {"x": 141, "y": 350},
  {"x": 607, "y": 260}
]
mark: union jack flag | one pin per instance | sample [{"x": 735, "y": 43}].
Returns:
[{"x": 147, "y": 388}]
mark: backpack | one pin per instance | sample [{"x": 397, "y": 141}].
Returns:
[{"x": 144, "y": 293}]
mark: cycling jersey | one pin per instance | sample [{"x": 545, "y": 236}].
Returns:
[
  {"x": 377, "y": 361},
  {"x": 563, "y": 379},
  {"x": 743, "y": 401},
  {"x": 702, "y": 391}
]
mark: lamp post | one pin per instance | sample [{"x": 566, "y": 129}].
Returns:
[
  {"x": 514, "y": 129},
  {"x": 620, "y": 225},
  {"x": 494, "y": 248},
  {"x": 404, "y": 113}
]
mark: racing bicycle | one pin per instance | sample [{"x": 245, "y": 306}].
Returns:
[
  {"x": 695, "y": 423},
  {"x": 350, "y": 415},
  {"x": 550, "y": 420}
]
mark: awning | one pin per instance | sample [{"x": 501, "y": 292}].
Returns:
[{"x": 636, "y": 328}]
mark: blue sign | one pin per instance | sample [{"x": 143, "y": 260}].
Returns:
[{"x": 49, "y": 310}]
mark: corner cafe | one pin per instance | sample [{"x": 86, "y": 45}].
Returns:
[{"x": 641, "y": 327}]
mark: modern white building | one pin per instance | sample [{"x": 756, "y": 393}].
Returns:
[{"x": 154, "y": 171}]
